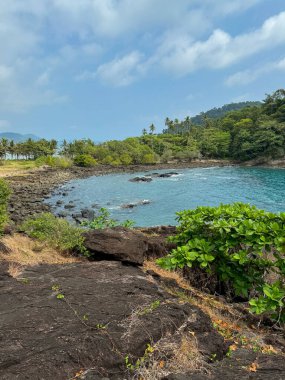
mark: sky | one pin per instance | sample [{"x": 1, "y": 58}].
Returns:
[{"x": 106, "y": 69}]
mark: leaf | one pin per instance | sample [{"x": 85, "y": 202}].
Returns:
[{"x": 252, "y": 367}]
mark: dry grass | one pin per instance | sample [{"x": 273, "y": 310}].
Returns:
[
  {"x": 227, "y": 319},
  {"x": 16, "y": 167},
  {"x": 211, "y": 305},
  {"x": 24, "y": 251},
  {"x": 172, "y": 356}
]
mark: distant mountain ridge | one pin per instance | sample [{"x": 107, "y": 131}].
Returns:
[{"x": 17, "y": 137}]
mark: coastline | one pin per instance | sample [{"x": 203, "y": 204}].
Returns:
[{"x": 31, "y": 189}]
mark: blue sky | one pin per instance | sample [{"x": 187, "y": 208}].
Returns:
[{"x": 106, "y": 69}]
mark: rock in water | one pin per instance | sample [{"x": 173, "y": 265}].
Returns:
[{"x": 140, "y": 179}]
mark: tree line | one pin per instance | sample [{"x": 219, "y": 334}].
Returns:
[
  {"x": 29, "y": 149},
  {"x": 253, "y": 132}
]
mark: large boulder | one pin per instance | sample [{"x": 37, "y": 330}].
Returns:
[{"x": 129, "y": 245}]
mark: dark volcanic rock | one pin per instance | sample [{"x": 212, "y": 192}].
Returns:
[
  {"x": 236, "y": 367},
  {"x": 69, "y": 206},
  {"x": 130, "y": 245},
  {"x": 86, "y": 213},
  {"x": 62, "y": 214},
  {"x": 84, "y": 316},
  {"x": 163, "y": 175},
  {"x": 129, "y": 205},
  {"x": 167, "y": 175},
  {"x": 140, "y": 203},
  {"x": 140, "y": 179}
]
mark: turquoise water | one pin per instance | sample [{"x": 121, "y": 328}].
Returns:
[{"x": 262, "y": 187}]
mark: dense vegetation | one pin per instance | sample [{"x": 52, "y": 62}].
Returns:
[
  {"x": 214, "y": 113},
  {"x": 239, "y": 244},
  {"x": 4, "y": 197},
  {"x": 252, "y": 132}
]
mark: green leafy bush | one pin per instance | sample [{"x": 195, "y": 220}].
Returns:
[
  {"x": 103, "y": 220},
  {"x": 85, "y": 160},
  {"x": 57, "y": 162},
  {"x": 4, "y": 197},
  {"x": 242, "y": 245},
  {"x": 57, "y": 232}
]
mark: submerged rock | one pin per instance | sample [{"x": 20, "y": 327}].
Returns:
[
  {"x": 69, "y": 206},
  {"x": 132, "y": 205},
  {"x": 168, "y": 175},
  {"x": 140, "y": 179}
]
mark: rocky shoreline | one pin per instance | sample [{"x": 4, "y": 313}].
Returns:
[
  {"x": 118, "y": 316},
  {"x": 30, "y": 190}
]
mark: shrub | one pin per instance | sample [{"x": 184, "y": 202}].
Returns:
[
  {"x": 126, "y": 159},
  {"x": 149, "y": 158},
  {"x": 57, "y": 232},
  {"x": 239, "y": 243},
  {"x": 57, "y": 162},
  {"x": 4, "y": 197},
  {"x": 85, "y": 160},
  {"x": 103, "y": 220}
]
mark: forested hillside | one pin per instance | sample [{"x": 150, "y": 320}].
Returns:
[
  {"x": 253, "y": 132},
  {"x": 173, "y": 126}
]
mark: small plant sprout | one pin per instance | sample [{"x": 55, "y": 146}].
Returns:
[
  {"x": 99, "y": 326},
  {"x": 149, "y": 309},
  {"x": 55, "y": 288},
  {"x": 104, "y": 220}
]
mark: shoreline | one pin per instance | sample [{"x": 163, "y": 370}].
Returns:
[{"x": 30, "y": 190}]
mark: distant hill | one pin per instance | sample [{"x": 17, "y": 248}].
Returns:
[
  {"x": 17, "y": 137},
  {"x": 215, "y": 113}
]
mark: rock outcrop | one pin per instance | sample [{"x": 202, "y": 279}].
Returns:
[
  {"x": 61, "y": 320},
  {"x": 129, "y": 245}
]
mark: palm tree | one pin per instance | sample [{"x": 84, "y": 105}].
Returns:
[
  {"x": 4, "y": 145},
  {"x": 152, "y": 129},
  {"x": 11, "y": 148},
  {"x": 144, "y": 132}
]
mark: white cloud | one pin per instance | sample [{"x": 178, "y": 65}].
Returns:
[
  {"x": 113, "y": 18},
  {"x": 183, "y": 55},
  {"x": 121, "y": 71},
  {"x": 50, "y": 39},
  {"x": 245, "y": 77}
]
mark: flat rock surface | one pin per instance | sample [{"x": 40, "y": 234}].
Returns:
[{"x": 57, "y": 320}]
